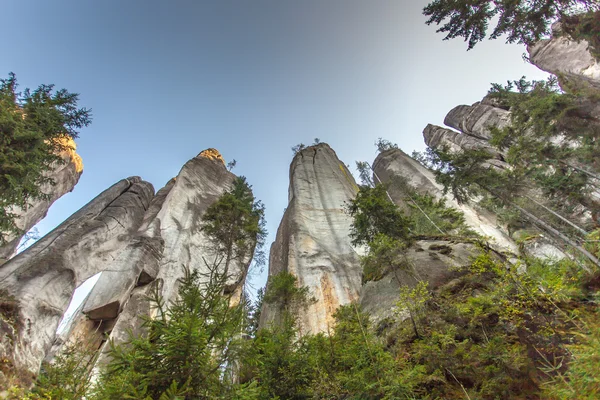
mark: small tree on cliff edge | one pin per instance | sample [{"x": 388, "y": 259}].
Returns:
[
  {"x": 523, "y": 21},
  {"x": 32, "y": 125}
]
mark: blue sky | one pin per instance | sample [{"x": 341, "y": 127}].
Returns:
[{"x": 252, "y": 78}]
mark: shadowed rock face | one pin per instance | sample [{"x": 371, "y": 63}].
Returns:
[
  {"x": 65, "y": 177},
  {"x": 395, "y": 164},
  {"x": 313, "y": 240},
  {"x": 569, "y": 59},
  {"x": 42, "y": 278}
]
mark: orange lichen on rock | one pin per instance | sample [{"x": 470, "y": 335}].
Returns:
[
  {"x": 69, "y": 151},
  {"x": 330, "y": 299},
  {"x": 212, "y": 154}
]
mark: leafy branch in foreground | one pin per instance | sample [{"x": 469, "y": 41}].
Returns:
[{"x": 522, "y": 21}]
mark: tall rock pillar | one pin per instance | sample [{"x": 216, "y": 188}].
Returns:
[
  {"x": 169, "y": 239},
  {"x": 313, "y": 240}
]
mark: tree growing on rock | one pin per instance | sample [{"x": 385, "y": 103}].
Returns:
[{"x": 33, "y": 129}]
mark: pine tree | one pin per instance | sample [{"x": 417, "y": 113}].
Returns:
[
  {"x": 197, "y": 338},
  {"x": 522, "y": 21},
  {"x": 33, "y": 126}
]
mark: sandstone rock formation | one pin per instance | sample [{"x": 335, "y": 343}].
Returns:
[
  {"x": 393, "y": 165},
  {"x": 65, "y": 177},
  {"x": 137, "y": 240},
  {"x": 570, "y": 60},
  {"x": 477, "y": 119},
  {"x": 168, "y": 239},
  {"x": 313, "y": 240},
  {"x": 433, "y": 261},
  {"x": 474, "y": 136},
  {"x": 42, "y": 278}
]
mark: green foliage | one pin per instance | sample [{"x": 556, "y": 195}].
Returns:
[
  {"x": 33, "y": 126},
  {"x": 373, "y": 213},
  {"x": 187, "y": 347},
  {"x": 192, "y": 346},
  {"x": 350, "y": 363},
  {"x": 364, "y": 172},
  {"x": 283, "y": 289},
  {"x": 231, "y": 165},
  {"x": 522, "y": 21},
  {"x": 463, "y": 173},
  {"x": 235, "y": 224},
  {"x": 487, "y": 334},
  {"x": 68, "y": 376},
  {"x": 413, "y": 300},
  {"x": 385, "y": 254},
  {"x": 581, "y": 380},
  {"x": 298, "y": 148},
  {"x": 282, "y": 362},
  {"x": 540, "y": 115},
  {"x": 384, "y": 145},
  {"x": 428, "y": 215},
  {"x": 584, "y": 27}
]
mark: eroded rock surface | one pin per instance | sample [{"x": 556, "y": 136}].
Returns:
[
  {"x": 477, "y": 119},
  {"x": 169, "y": 239},
  {"x": 433, "y": 261},
  {"x": 313, "y": 240},
  {"x": 65, "y": 177},
  {"x": 566, "y": 58},
  {"x": 42, "y": 278},
  {"x": 394, "y": 165}
]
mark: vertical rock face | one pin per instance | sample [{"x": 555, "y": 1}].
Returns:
[
  {"x": 571, "y": 60},
  {"x": 65, "y": 177},
  {"x": 169, "y": 239},
  {"x": 42, "y": 278},
  {"x": 313, "y": 240},
  {"x": 395, "y": 164},
  {"x": 140, "y": 258}
]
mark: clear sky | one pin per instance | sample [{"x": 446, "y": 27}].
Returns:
[{"x": 252, "y": 78}]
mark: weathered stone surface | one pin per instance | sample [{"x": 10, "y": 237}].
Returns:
[
  {"x": 436, "y": 137},
  {"x": 477, "y": 119},
  {"x": 65, "y": 177},
  {"x": 570, "y": 59},
  {"x": 81, "y": 333},
  {"x": 395, "y": 164},
  {"x": 313, "y": 240},
  {"x": 43, "y": 277},
  {"x": 201, "y": 181},
  {"x": 139, "y": 259},
  {"x": 538, "y": 245},
  {"x": 129, "y": 321},
  {"x": 174, "y": 219},
  {"x": 433, "y": 261}
]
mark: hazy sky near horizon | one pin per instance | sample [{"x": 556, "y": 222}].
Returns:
[{"x": 167, "y": 79}]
